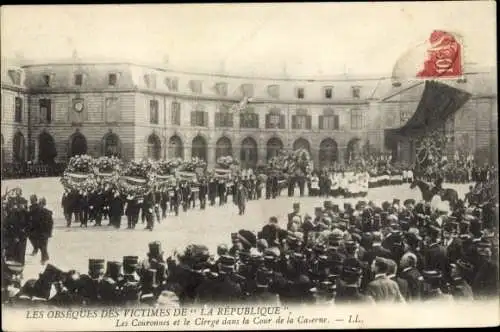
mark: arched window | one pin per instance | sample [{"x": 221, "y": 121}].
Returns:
[
  {"x": 46, "y": 149},
  {"x": 249, "y": 153},
  {"x": 111, "y": 145},
  {"x": 302, "y": 143},
  {"x": 223, "y": 148},
  {"x": 353, "y": 150},
  {"x": 327, "y": 152},
  {"x": 78, "y": 145},
  {"x": 175, "y": 147},
  {"x": 154, "y": 147},
  {"x": 19, "y": 148},
  {"x": 199, "y": 148},
  {"x": 274, "y": 145}
]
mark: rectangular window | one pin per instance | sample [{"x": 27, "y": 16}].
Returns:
[
  {"x": 328, "y": 92},
  {"x": 153, "y": 112},
  {"x": 78, "y": 79},
  {"x": 45, "y": 111},
  {"x": 196, "y": 86},
  {"x": 273, "y": 121},
  {"x": 175, "y": 116},
  {"x": 223, "y": 119},
  {"x": 199, "y": 119},
  {"x": 330, "y": 122},
  {"x": 300, "y": 93},
  {"x": 18, "y": 110},
  {"x": 46, "y": 80},
  {"x": 356, "y": 92},
  {"x": 301, "y": 122},
  {"x": 112, "y": 79},
  {"x": 248, "y": 119},
  {"x": 357, "y": 119}
]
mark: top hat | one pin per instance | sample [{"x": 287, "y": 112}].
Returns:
[
  {"x": 96, "y": 266},
  {"x": 113, "y": 269},
  {"x": 130, "y": 264},
  {"x": 155, "y": 249}
]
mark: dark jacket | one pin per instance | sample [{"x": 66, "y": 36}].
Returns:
[{"x": 415, "y": 283}]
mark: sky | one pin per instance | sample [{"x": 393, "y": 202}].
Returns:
[{"x": 298, "y": 39}]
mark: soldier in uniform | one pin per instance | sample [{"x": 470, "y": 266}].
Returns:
[
  {"x": 130, "y": 284},
  {"x": 174, "y": 198},
  {"x": 132, "y": 211},
  {"x": 110, "y": 286},
  {"x": 43, "y": 230},
  {"x": 156, "y": 261},
  {"x": 460, "y": 289},
  {"x": 15, "y": 227},
  {"x": 221, "y": 190},
  {"x": 269, "y": 186},
  {"x": 164, "y": 202},
  {"x": 295, "y": 213},
  {"x": 67, "y": 202},
  {"x": 157, "y": 200},
  {"x": 116, "y": 210}
]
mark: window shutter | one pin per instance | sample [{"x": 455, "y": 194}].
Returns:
[
  {"x": 308, "y": 122},
  {"x": 255, "y": 121},
  {"x": 217, "y": 119},
  {"x": 321, "y": 125},
  {"x": 282, "y": 121},
  {"x": 267, "y": 121},
  {"x": 49, "y": 111},
  {"x": 193, "y": 117},
  {"x": 231, "y": 121},
  {"x": 294, "y": 122},
  {"x": 178, "y": 115},
  {"x": 205, "y": 119},
  {"x": 336, "y": 122}
]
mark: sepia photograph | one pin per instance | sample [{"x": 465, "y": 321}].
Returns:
[{"x": 249, "y": 166}]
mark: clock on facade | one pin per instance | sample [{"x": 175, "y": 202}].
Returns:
[{"x": 78, "y": 105}]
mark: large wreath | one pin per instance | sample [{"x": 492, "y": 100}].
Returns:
[
  {"x": 226, "y": 162},
  {"x": 192, "y": 165},
  {"x": 79, "y": 174},
  {"x": 107, "y": 171},
  {"x": 137, "y": 178}
]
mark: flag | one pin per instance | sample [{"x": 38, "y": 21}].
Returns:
[{"x": 440, "y": 56}]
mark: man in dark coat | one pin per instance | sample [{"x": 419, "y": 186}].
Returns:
[
  {"x": 382, "y": 288},
  {"x": 116, "y": 210},
  {"x": 132, "y": 211},
  {"x": 221, "y": 191},
  {"x": 295, "y": 213},
  {"x": 33, "y": 220},
  {"x": 67, "y": 202},
  {"x": 147, "y": 210},
  {"x": 15, "y": 227},
  {"x": 348, "y": 290},
  {"x": 485, "y": 283},
  {"x": 203, "y": 193},
  {"x": 44, "y": 230},
  {"x": 174, "y": 198},
  {"x": 410, "y": 273},
  {"x": 212, "y": 190},
  {"x": 435, "y": 256},
  {"x": 376, "y": 249},
  {"x": 241, "y": 198}
]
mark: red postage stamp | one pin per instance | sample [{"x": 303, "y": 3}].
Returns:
[{"x": 444, "y": 56}]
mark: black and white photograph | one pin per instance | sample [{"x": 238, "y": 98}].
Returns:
[{"x": 249, "y": 166}]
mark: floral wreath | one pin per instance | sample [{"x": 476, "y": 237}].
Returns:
[{"x": 79, "y": 174}]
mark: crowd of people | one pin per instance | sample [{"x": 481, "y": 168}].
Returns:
[{"x": 395, "y": 252}]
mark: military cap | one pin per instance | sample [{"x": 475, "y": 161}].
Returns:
[
  {"x": 155, "y": 248},
  {"x": 324, "y": 287},
  {"x": 350, "y": 274},
  {"x": 14, "y": 267},
  {"x": 335, "y": 208},
  {"x": 113, "y": 269},
  {"x": 430, "y": 275},
  {"x": 227, "y": 260},
  {"x": 296, "y": 205},
  {"x": 464, "y": 265},
  {"x": 96, "y": 265},
  {"x": 130, "y": 261},
  {"x": 350, "y": 245}
]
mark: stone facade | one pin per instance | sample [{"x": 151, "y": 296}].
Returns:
[{"x": 141, "y": 111}]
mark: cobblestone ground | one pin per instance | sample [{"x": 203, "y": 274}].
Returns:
[{"x": 70, "y": 248}]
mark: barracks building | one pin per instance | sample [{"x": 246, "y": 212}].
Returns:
[{"x": 52, "y": 111}]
